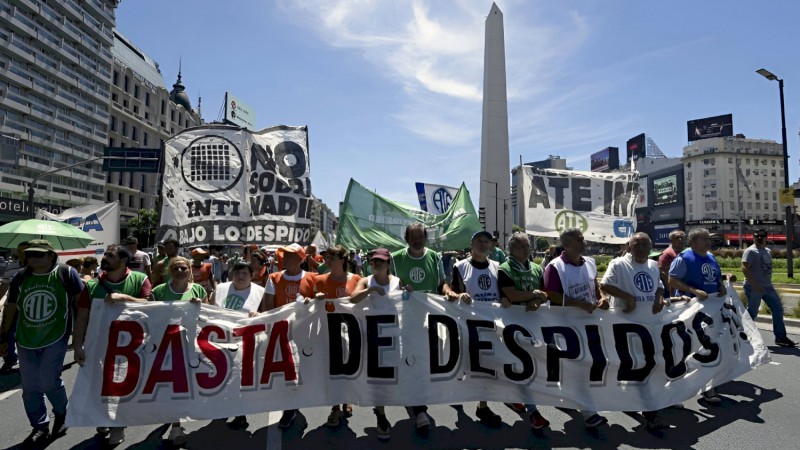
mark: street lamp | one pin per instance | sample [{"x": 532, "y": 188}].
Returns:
[
  {"x": 789, "y": 227},
  {"x": 496, "y": 222}
]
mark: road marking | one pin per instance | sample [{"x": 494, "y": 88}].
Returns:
[
  {"x": 274, "y": 433},
  {"x": 775, "y": 363},
  {"x": 7, "y": 394}
]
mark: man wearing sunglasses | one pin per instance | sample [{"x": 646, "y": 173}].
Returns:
[{"x": 757, "y": 269}]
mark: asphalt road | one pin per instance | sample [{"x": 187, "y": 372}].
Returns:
[{"x": 759, "y": 410}]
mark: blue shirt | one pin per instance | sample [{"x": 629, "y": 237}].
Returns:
[{"x": 698, "y": 271}]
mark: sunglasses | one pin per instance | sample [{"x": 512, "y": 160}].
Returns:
[
  {"x": 180, "y": 269},
  {"x": 30, "y": 255}
]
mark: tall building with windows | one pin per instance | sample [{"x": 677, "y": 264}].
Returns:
[
  {"x": 732, "y": 179},
  {"x": 55, "y": 70},
  {"x": 143, "y": 115}
]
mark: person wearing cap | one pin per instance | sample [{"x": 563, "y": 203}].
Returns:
[
  {"x": 89, "y": 268},
  {"x": 140, "y": 261},
  {"x": 475, "y": 278},
  {"x": 757, "y": 269},
  {"x": 162, "y": 273},
  {"x": 202, "y": 272},
  {"x": 677, "y": 244},
  {"x": 117, "y": 284},
  {"x": 43, "y": 327},
  {"x": 571, "y": 280},
  {"x": 520, "y": 282},
  {"x": 285, "y": 287},
  {"x": 419, "y": 269}
]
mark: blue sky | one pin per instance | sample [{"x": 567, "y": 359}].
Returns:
[{"x": 391, "y": 89}]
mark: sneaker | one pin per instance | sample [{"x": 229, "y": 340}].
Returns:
[
  {"x": 595, "y": 421},
  {"x": 239, "y": 423},
  {"x": 37, "y": 438},
  {"x": 59, "y": 429},
  {"x": 711, "y": 396},
  {"x": 333, "y": 418},
  {"x": 384, "y": 428},
  {"x": 538, "y": 422},
  {"x": 103, "y": 431},
  {"x": 116, "y": 436},
  {"x": 655, "y": 423},
  {"x": 178, "y": 436},
  {"x": 287, "y": 418},
  {"x": 423, "y": 424},
  {"x": 518, "y": 408},
  {"x": 785, "y": 342},
  {"x": 488, "y": 417}
]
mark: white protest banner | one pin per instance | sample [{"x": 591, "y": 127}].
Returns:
[
  {"x": 435, "y": 198},
  {"x": 99, "y": 221},
  {"x": 600, "y": 204},
  {"x": 226, "y": 185},
  {"x": 159, "y": 362}
]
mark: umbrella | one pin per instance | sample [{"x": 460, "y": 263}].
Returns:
[{"x": 62, "y": 235}]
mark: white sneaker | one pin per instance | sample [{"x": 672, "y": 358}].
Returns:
[
  {"x": 116, "y": 436},
  {"x": 178, "y": 436}
]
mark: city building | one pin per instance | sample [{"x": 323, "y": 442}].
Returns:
[
  {"x": 143, "y": 115},
  {"x": 732, "y": 181},
  {"x": 323, "y": 219},
  {"x": 55, "y": 70}
]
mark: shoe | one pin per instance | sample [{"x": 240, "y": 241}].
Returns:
[
  {"x": 287, "y": 418},
  {"x": 116, "y": 436},
  {"x": 239, "y": 423},
  {"x": 384, "y": 428},
  {"x": 655, "y": 423},
  {"x": 518, "y": 408},
  {"x": 785, "y": 342},
  {"x": 595, "y": 421},
  {"x": 37, "y": 438},
  {"x": 8, "y": 366},
  {"x": 538, "y": 422},
  {"x": 423, "y": 424},
  {"x": 178, "y": 436},
  {"x": 488, "y": 417},
  {"x": 103, "y": 431},
  {"x": 59, "y": 429},
  {"x": 333, "y": 418},
  {"x": 711, "y": 397}
]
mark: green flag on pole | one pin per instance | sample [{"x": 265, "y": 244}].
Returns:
[{"x": 368, "y": 221}]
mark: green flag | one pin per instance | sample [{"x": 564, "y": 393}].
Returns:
[{"x": 369, "y": 221}]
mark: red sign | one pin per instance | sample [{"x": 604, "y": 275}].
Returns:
[{"x": 749, "y": 237}]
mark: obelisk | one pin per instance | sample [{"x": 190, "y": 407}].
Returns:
[{"x": 495, "y": 185}]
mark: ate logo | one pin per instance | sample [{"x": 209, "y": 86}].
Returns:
[
  {"x": 442, "y": 200},
  {"x": 708, "y": 272},
  {"x": 643, "y": 282},
  {"x": 484, "y": 282},
  {"x": 233, "y": 302},
  {"x": 417, "y": 275},
  {"x": 39, "y": 306}
]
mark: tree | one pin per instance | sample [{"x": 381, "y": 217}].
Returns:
[
  {"x": 542, "y": 244},
  {"x": 143, "y": 224}
]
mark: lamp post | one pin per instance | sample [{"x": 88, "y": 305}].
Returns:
[
  {"x": 789, "y": 227},
  {"x": 496, "y": 224}
]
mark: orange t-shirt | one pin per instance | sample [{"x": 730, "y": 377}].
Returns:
[
  {"x": 336, "y": 289},
  {"x": 286, "y": 290}
]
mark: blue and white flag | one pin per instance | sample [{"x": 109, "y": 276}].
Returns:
[{"x": 435, "y": 198}]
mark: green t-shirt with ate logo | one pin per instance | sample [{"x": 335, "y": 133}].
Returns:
[
  {"x": 424, "y": 274},
  {"x": 164, "y": 293},
  {"x": 44, "y": 309}
]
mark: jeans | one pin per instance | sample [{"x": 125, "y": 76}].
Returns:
[
  {"x": 770, "y": 297},
  {"x": 40, "y": 374}
]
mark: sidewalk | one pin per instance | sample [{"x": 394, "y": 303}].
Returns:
[{"x": 764, "y": 322}]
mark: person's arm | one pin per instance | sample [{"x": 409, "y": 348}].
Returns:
[
  {"x": 78, "y": 336},
  {"x": 455, "y": 291},
  {"x": 362, "y": 291},
  {"x": 628, "y": 299},
  {"x": 677, "y": 283},
  {"x": 659, "y": 303},
  {"x": 748, "y": 275},
  {"x": 158, "y": 273},
  {"x": 267, "y": 302},
  {"x": 212, "y": 299}
]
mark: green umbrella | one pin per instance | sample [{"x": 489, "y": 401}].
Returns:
[{"x": 62, "y": 235}]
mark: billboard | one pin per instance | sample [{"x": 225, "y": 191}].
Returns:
[
  {"x": 665, "y": 190},
  {"x": 239, "y": 113},
  {"x": 600, "y": 161},
  {"x": 636, "y": 147},
  {"x": 710, "y": 127}
]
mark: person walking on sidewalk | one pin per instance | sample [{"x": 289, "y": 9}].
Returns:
[{"x": 757, "y": 269}]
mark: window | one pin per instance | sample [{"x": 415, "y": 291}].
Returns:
[
  {"x": 134, "y": 134},
  {"x": 130, "y": 201},
  {"x": 144, "y": 139},
  {"x": 124, "y": 128},
  {"x": 136, "y": 91},
  {"x": 127, "y": 80},
  {"x": 113, "y": 125},
  {"x": 163, "y": 107},
  {"x": 172, "y": 115},
  {"x": 116, "y": 78},
  {"x": 130, "y": 182},
  {"x": 146, "y": 99},
  {"x": 135, "y": 109},
  {"x": 114, "y": 98},
  {"x": 141, "y": 202},
  {"x": 143, "y": 183}
]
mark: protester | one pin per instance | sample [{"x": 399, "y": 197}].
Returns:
[
  {"x": 419, "y": 269},
  {"x": 9, "y": 328},
  {"x": 520, "y": 281},
  {"x": 117, "y": 284},
  {"x": 359, "y": 262},
  {"x": 677, "y": 243},
  {"x": 240, "y": 294},
  {"x": 41, "y": 341},
  {"x": 202, "y": 272},
  {"x": 695, "y": 272},
  {"x": 258, "y": 261},
  {"x": 757, "y": 269},
  {"x": 552, "y": 253},
  {"x": 312, "y": 261},
  {"x": 284, "y": 287},
  {"x": 75, "y": 263},
  {"x": 336, "y": 284},
  {"x": 475, "y": 278},
  {"x": 140, "y": 261},
  {"x": 161, "y": 274},
  {"x": 89, "y": 268},
  {"x": 224, "y": 267},
  {"x": 496, "y": 253},
  {"x": 216, "y": 266},
  {"x": 571, "y": 280},
  {"x": 632, "y": 279}
]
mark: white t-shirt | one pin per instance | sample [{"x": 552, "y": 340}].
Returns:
[
  {"x": 480, "y": 284},
  {"x": 247, "y": 300},
  {"x": 139, "y": 262},
  {"x": 641, "y": 280},
  {"x": 394, "y": 283},
  {"x": 578, "y": 282}
]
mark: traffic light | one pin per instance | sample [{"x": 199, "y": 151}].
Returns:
[{"x": 482, "y": 216}]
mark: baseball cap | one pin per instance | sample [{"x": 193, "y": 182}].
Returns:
[
  {"x": 39, "y": 245},
  {"x": 380, "y": 253},
  {"x": 131, "y": 240},
  {"x": 482, "y": 233},
  {"x": 199, "y": 251}
]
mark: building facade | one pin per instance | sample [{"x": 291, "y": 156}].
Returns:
[
  {"x": 323, "y": 219},
  {"x": 143, "y": 115},
  {"x": 55, "y": 71}
]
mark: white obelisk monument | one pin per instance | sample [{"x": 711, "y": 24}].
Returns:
[{"x": 495, "y": 184}]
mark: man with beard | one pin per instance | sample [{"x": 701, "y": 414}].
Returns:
[{"x": 117, "y": 284}]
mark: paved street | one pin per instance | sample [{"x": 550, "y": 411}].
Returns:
[{"x": 759, "y": 411}]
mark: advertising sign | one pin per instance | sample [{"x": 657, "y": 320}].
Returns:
[
  {"x": 665, "y": 190},
  {"x": 710, "y": 127},
  {"x": 636, "y": 147},
  {"x": 99, "y": 221},
  {"x": 238, "y": 113},
  {"x": 599, "y": 162}
]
